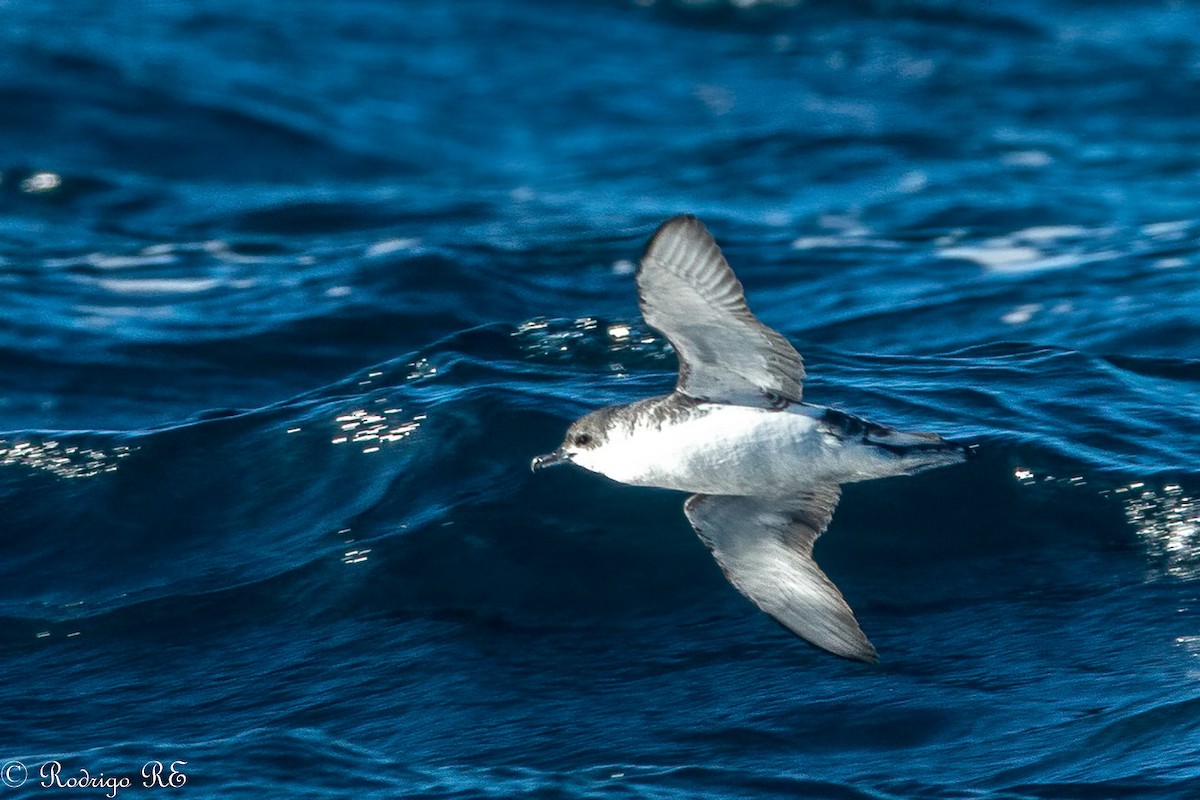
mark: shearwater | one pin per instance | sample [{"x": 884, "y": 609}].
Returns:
[{"x": 764, "y": 468}]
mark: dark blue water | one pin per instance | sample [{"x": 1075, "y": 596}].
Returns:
[{"x": 292, "y": 292}]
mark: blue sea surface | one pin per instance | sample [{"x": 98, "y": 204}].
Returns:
[{"x": 290, "y": 294}]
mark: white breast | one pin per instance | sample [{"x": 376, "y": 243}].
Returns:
[{"x": 717, "y": 449}]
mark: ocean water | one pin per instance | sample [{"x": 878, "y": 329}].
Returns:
[{"x": 290, "y": 294}]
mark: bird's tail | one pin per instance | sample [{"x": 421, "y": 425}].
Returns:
[{"x": 918, "y": 452}]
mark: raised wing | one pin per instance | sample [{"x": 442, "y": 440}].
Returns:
[
  {"x": 690, "y": 295},
  {"x": 765, "y": 546}
]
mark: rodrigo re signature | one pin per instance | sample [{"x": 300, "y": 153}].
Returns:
[{"x": 154, "y": 775}]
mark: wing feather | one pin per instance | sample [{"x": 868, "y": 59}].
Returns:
[
  {"x": 691, "y": 296},
  {"x": 765, "y": 549}
]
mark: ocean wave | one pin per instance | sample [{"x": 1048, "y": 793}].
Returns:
[
  {"x": 400, "y": 488},
  {"x": 291, "y": 299}
]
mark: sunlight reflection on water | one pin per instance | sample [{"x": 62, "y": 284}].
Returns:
[
  {"x": 61, "y": 459},
  {"x": 568, "y": 339},
  {"x": 1167, "y": 520},
  {"x": 374, "y": 429}
]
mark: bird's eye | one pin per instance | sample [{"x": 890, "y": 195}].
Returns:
[{"x": 583, "y": 440}]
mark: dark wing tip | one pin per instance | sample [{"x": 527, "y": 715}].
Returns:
[{"x": 869, "y": 655}]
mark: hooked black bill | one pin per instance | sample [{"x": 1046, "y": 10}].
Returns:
[{"x": 550, "y": 460}]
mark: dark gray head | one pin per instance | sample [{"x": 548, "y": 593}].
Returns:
[{"x": 585, "y": 435}]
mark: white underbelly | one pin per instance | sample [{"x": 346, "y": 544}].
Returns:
[{"x": 728, "y": 450}]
